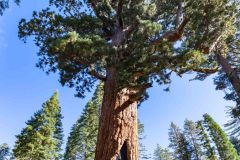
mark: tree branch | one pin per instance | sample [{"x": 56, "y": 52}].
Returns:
[
  {"x": 173, "y": 36},
  {"x": 135, "y": 96},
  {"x": 206, "y": 70},
  {"x": 119, "y": 13},
  {"x": 97, "y": 75},
  {"x": 92, "y": 71},
  {"x": 179, "y": 12}
]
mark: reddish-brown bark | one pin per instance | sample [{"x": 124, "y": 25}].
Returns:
[
  {"x": 118, "y": 125},
  {"x": 231, "y": 73}
]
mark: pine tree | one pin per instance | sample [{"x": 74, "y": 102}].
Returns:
[
  {"x": 4, "y": 151},
  {"x": 83, "y": 136},
  {"x": 162, "y": 154},
  {"x": 209, "y": 151},
  {"x": 191, "y": 133},
  {"x": 236, "y": 143},
  {"x": 42, "y": 137},
  {"x": 141, "y": 147},
  {"x": 128, "y": 45},
  {"x": 179, "y": 143},
  {"x": 225, "y": 149}
]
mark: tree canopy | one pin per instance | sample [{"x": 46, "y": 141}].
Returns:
[{"x": 82, "y": 40}]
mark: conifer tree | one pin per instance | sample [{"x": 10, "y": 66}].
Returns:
[
  {"x": 236, "y": 143},
  {"x": 142, "y": 150},
  {"x": 82, "y": 141},
  {"x": 179, "y": 143},
  {"x": 4, "y": 151},
  {"x": 128, "y": 45},
  {"x": 191, "y": 133},
  {"x": 162, "y": 154},
  {"x": 42, "y": 137},
  {"x": 208, "y": 150},
  {"x": 225, "y": 149}
]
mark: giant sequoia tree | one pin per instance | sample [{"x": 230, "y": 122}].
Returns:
[{"x": 128, "y": 45}]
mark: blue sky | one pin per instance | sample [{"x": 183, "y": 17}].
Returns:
[{"x": 23, "y": 89}]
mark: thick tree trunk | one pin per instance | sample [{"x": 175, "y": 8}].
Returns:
[
  {"x": 118, "y": 124},
  {"x": 231, "y": 73}
]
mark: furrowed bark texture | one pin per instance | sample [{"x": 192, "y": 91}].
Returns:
[
  {"x": 231, "y": 73},
  {"x": 117, "y": 125}
]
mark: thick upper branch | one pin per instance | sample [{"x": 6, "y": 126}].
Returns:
[
  {"x": 97, "y": 75},
  {"x": 179, "y": 12},
  {"x": 173, "y": 36},
  {"x": 92, "y": 71}
]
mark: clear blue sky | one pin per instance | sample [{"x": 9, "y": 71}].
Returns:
[{"x": 23, "y": 89}]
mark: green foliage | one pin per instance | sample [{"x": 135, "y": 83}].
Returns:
[
  {"x": 225, "y": 149},
  {"x": 162, "y": 154},
  {"x": 142, "y": 150},
  {"x": 83, "y": 136},
  {"x": 4, "y": 151},
  {"x": 42, "y": 137},
  {"x": 136, "y": 38},
  {"x": 236, "y": 143},
  {"x": 208, "y": 150},
  {"x": 4, "y": 4},
  {"x": 179, "y": 143},
  {"x": 191, "y": 133}
]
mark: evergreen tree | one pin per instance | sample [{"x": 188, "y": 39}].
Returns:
[
  {"x": 225, "y": 149},
  {"x": 208, "y": 150},
  {"x": 4, "y": 151},
  {"x": 162, "y": 154},
  {"x": 129, "y": 45},
  {"x": 142, "y": 149},
  {"x": 179, "y": 143},
  {"x": 236, "y": 143},
  {"x": 191, "y": 132},
  {"x": 83, "y": 136},
  {"x": 42, "y": 137}
]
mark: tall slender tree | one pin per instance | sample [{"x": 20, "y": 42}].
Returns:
[
  {"x": 162, "y": 154},
  {"x": 225, "y": 148},
  {"x": 142, "y": 150},
  {"x": 42, "y": 137},
  {"x": 82, "y": 141},
  {"x": 191, "y": 132},
  {"x": 128, "y": 45},
  {"x": 179, "y": 143},
  {"x": 208, "y": 150},
  {"x": 4, "y": 151}
]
